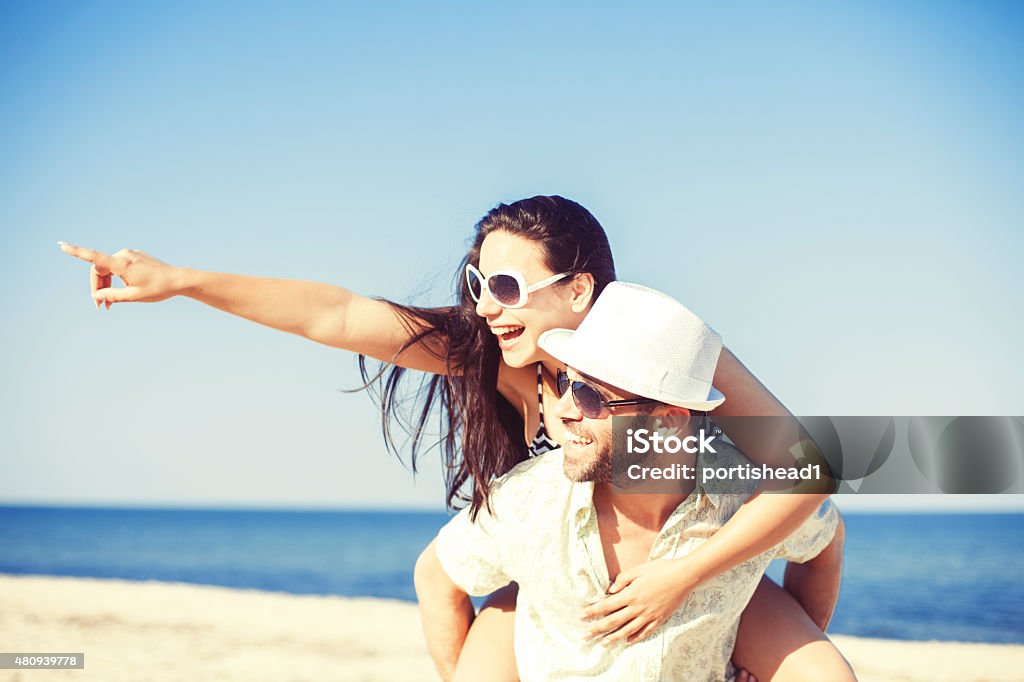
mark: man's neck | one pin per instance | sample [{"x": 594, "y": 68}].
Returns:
[
  {"x": 647, "y": 509},
  {"x": 629, "y": 524}
]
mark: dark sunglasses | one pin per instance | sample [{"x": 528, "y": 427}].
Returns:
[{"x": 588, "y": 400}]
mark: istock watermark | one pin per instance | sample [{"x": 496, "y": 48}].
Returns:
[
  {"x": 898, "y": 455},
  {"x": 737, "y": 472},
  {"x": 643, "y": 441}
]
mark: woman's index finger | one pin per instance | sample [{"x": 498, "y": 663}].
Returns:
[{"x": 97, "y": 258}]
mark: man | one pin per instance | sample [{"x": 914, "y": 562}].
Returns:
[{"x": 560, "y": 528}]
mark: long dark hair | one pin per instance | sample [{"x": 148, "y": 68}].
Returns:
[{"x": 481, "y": 434}]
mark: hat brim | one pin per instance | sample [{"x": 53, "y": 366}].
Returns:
[{"x": 556, "y": 343}]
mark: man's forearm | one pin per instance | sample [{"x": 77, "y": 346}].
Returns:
[
  {"x": 815, "y": 583},
  {"x": 445, "y": 625},
  {"x": 445, "y": 611}
]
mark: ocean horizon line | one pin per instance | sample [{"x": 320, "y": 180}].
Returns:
[
  {"x": 895, "y": 510},
  {"x": 218, "y": 506}
]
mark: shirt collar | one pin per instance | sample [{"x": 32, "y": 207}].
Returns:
[
  {"x": 581, "y": 503},
  {"x": 701, "y": 493}
]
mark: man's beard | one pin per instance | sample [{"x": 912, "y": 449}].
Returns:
[{"x": 597, "y": 469}]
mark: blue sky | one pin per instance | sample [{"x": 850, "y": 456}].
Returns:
[{"x": 834, "y": 187}]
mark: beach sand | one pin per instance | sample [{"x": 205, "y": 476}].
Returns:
[{"x": 131, "y": 631}]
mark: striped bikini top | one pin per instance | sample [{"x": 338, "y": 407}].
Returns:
[{"x": 542, "y": 442}]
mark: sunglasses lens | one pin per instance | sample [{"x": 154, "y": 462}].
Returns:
[
  {"x": 587, "y": 399},
  {"x": 504, "y": 289},
  {"x": 563, "y": 383},
  {"x": 475, "y": 285}
]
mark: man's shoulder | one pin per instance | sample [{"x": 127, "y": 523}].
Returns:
[
  {"x": 725, "y": 455},
  {"x": 541, "y": 466},
  {"x": 543, "y": 472},
  {"x": 726, "y": 485},
  {"x": 529, "y": 493}
]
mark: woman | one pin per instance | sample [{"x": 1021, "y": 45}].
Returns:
[{"x": 535, "y": 264}]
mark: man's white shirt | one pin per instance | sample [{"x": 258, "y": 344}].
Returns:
[{"x": 541, "y": 532}]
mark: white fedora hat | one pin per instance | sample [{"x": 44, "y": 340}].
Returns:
[{"x": 645, "y": 342}]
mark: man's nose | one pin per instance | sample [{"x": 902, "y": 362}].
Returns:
[
  {"x": 566, "y": 408},
  {"x": 486, "y": 306}
]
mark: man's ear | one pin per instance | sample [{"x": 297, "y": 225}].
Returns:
[
  {"x": 672, "y": 417},
  {"x": 670, "y": 411},
  {"x": 581, "y": 292}
]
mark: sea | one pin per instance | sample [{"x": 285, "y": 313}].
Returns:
[{"x": 956, "y": 577}]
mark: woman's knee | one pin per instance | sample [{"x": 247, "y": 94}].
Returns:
[
  {"x": 815, "y": 662},
  {"x": 778, "y": 642}
]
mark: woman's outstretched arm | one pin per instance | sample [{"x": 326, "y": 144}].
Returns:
[{"x": 323, "y": 313}]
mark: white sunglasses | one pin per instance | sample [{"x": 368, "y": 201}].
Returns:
[{"x": 508, "y": 288}]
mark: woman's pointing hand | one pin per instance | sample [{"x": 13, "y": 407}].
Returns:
[{"x": 145, "y": 278}]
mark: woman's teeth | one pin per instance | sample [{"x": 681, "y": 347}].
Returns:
[
  {"x": 507, "y": 333},
  {"x": 579, "y": 440}
]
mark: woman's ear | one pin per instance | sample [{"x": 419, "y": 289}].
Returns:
[{"x": 581, "y": 292}]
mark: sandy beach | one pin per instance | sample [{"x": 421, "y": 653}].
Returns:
[{"x": 133, "y": 631}]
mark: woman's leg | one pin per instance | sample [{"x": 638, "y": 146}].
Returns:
[
  {"x": 778, "y": 642},
  {"x": 487, "y": 654}
]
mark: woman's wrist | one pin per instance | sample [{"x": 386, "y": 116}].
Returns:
[
  {"x": 186, "y": 281},
  {"x": 690, "y": 574}
]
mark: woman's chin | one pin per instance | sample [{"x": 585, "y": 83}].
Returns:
[{"x": 519, "y": 356}]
